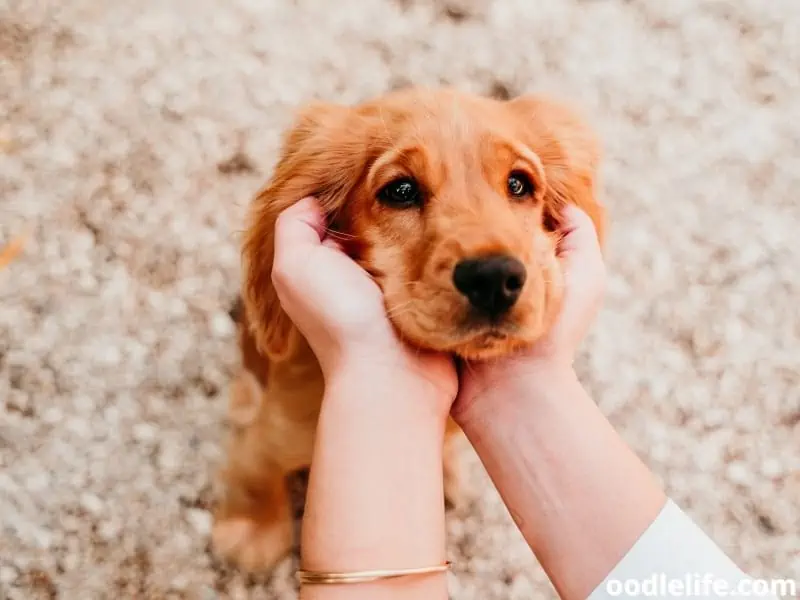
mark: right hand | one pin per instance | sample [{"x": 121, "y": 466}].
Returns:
[
  {"x": 552, "y": 356},
  {"x": 340, "y": 311}
]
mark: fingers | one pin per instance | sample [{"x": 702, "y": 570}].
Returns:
[
  {"x": 333, "y": 244},
  {"x": 300, "y": 227},
  {"x": 584, "y": 270},
  {"x": 298, "y": 230},
  {"x": 579, "y": 232},
  {"x": 579, "y": 250}
]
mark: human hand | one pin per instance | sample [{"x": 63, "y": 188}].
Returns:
[
  {"x": 339, "y": 310},
  {"x": 552, "y": 356}
]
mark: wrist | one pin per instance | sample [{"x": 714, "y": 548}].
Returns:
[
  {"x": 362, "y": 358},
  {"x": 386, "y": 388},
  {"x": 513, "y": 382}
]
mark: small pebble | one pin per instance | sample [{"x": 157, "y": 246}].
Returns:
[
  {"x": 144, "y": 432},
  {"x": 200, "y": 520},
  {"x": 79, "y": 427},
  {"x": 772, "y": 468},
  {"x": 91, "y": 503},
  {"x": 179, "y": 583},
  {"x": 42, "y": 538},
  {"x": 209, "y": 594},
  {"x": 221, "y": 325},
  {"x": 70, "y": 524},
  {"x": 739, "y": 473},
  {"x": 84, "y": 403},
  {"x": 71, "y": 562},
  {"x": 109, "y": 530},
  {"x": 8, "y": 575},
  {"x": 53, "y": 415},
  {"x": 110, "y": 356},
  {"x": 38, "y": 482},
  {"x": 169, "y": 459}
]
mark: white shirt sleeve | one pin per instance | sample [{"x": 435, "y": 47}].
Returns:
[{"x": 674, "y": 558}]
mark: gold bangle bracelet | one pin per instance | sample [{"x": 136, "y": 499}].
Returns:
[{"x": 321, "y": 577}]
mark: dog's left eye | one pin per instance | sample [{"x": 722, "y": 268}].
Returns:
[
  {"x": 519, "y": 185},
  {"x": 401, "y": 193}
]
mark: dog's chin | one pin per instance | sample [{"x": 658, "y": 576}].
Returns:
[
  {"x": 470, "y": 338},
  {"x": 477, "y": 344},
  {"x": 490, "y": 344},
  {"x": 485, "y": 341},
  {"x": 474, "y": 341}
]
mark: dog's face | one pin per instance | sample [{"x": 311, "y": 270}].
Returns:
[{"x": 450, "y": 201}]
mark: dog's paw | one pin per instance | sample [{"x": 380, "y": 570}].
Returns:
[{"x": 252, "y": 546}]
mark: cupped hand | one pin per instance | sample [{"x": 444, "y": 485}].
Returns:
[
  {"x": 551, "y": 356},
  {"x": 340, "y": 311}
]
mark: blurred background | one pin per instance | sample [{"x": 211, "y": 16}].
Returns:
[{"x": 132, "y": 136}]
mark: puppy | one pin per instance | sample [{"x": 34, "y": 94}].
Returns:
[{"x": 451, "y": 202}]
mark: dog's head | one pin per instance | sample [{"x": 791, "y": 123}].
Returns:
[{"x": 450, "y": 201}]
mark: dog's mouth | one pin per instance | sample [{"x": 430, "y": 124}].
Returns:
[
  {"x": 462, "y": 330},
  {"x": 488, "y": 341},
  {"x": 472, "y": 341}
]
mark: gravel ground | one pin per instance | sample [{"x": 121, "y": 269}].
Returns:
[{"x": 132, "y": 137}]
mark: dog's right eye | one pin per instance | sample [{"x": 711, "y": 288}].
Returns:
[{"x": 401, "y": 193}]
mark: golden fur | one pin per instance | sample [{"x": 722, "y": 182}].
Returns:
[{"x": 461, "y": 149}]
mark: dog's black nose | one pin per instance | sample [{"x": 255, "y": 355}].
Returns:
[{"x": 492, "y": 283}]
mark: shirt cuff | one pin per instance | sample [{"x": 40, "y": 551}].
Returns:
[{"x": 674, "y": 558}]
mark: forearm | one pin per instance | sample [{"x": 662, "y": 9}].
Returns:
[
  {"x": 579, "y": 495},
  {"x": 375, "y": 497}
]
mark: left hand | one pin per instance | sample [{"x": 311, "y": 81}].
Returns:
[{"x": 339, "y": 309}]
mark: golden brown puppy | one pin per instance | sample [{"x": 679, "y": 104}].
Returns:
[{"x": 451, "y": 203}]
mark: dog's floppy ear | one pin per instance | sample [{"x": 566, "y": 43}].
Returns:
[
  {"x": 570, "y": 152},
  {"x": 323, "y": 155}
]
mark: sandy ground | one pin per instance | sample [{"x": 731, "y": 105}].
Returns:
[{"x": 132, "y": 136}]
